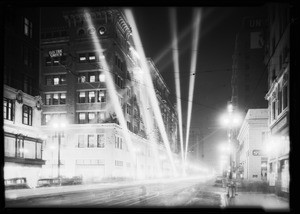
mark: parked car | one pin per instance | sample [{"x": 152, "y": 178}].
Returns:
[
  {"x": 63, "y": 181},
  {"x": 48, "y": 182},
  {"x": 16, "y": 183},
  {"x": 71, "y": 181}
]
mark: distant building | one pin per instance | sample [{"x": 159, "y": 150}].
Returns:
[
  {"x": 74, "y": 88},
  {"x": 251, "y": 162},
  {"x": 277, "y": 60},
  {"x": 249, "y": 77},
  {"x": 23, "y": 139}
]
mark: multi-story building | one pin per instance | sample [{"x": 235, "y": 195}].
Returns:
[
  {"x": 74, "y": 87},
  {"x": 249, "y": 77},
  {"x": 277, "y": 60},
  {"x": 23, "y": 141},
  {"x": 251, "y": 160}
]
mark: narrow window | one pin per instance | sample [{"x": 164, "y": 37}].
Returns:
[
  {"x": 81, "y": 117},
  {"x": 81, "y": 97},
  {"x": 8, "y": 109},
  {"x": 91, "y": 96},
  {"x": 27, "y": 115}
]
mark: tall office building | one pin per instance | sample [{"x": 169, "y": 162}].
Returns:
[{"x": 75, "y": 79}]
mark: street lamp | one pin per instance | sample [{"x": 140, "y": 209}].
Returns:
[
  {"x": 230, "y": 120},
  {"x": 58, "y": 127}
]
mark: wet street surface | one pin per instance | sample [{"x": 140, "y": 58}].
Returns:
[{"x": 191, "y": 193}]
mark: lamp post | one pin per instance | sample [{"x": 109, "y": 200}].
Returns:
[
  {"x": 59, "y": 127},
  {"x": 230, "y": 120}
]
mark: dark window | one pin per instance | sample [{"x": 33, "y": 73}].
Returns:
[
  {"x": 49, "y": 80},
  {"x": 285, "y": 96},
  {"x": 48, "y": 61},
  {"x": 27, "y": 115},
  {"x": 81, "y": 32},
  {"x": 279, "y": 101},
  {"x": 8, "y": 109},
  {"x": 100, "y": 141},
  {"x": 56, "y": 61},
  {"x": 273, "y": 110},
  {"x": 62, "y": 79}
]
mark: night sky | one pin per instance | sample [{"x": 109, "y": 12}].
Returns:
[{"x": 218, "y": 29}]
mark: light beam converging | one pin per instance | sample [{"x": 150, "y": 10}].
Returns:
[
  {"x": 194, "y": 51},
  {"x": 176, "y": 75},
  {"x": 146, "y": 77},
  {"x": 111, "y": 89}
]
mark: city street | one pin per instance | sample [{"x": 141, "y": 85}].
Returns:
[{"x": 196, "y": 192}]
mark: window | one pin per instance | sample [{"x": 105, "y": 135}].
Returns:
[
  {"x": 62, "y": 99},
  {"x": 48, "y": 99},
  {"x": 27, "y": 115},
  {"x": 82, "y": 57},
  {"x": 100, "y": 140},
  {"x": 91, "y": 141},
  {"x": 62, "y": 79},
  {"x": 8, "y": 109},
  {"x": 38, "y": 150},
  {"x": 92, "y": 57},
  {"x": 81, "y": 143},
  {"x": 20, "y": 148},
  {"x": 27, "y": 28},
  {"x": 82, "y": 78},
  {"x": 273, "y": 110},
  {"x": 55, "y": 80},
  {"x": 10, "y": 146},
  {"x": 48, "y": 61},
  {"x": 279, "y": 100},
  {"x": 47, "y": 118},
  {"x": 102, "y": 77},
  {"x": 285, "y": 96},
  {"x": 92, "y": 77},
  {"x": 48, "y": 80},
  {"x": 56, "y": 61},
  {"x": 55, "y": 99},
  {"x": 91, "y": 117},
  {"x": 101, "y": 96},
  {"x": 81, "y": 97},
  {"x": 91, "y": 96},
  {"x": 101, "y": 116},
  {"x": 118, "y": 163},
  {"x": 29, "y": 149},
  {"x": 128, "y": 109},
  {"x": 81, "y": 117}
]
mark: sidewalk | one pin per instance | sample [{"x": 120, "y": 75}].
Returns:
[{"x": 258, "y": 200}]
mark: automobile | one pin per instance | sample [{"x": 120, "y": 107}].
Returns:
[
  {"x": 62, "y": 181},
  {"x": 48, "y": 182},
  {"x": 16, "y": 183},
  {"x": 219, "y": 181},
  {"x": 71, "y": 181}
]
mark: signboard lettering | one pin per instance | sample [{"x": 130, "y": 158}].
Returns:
[{"x": 55, "y": 53}]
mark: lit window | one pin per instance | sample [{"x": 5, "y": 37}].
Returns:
[
  {"x": 91, "y": 96},
  {"x": 48, "y": 61},
  {"x": 102, "y": 77},
  {"x": 27, "y": 28},
  {"x": 56, "y": 80},
  {"x": 63, "y": 79},
  {"x": 92, "y": 77},
  {"x": 101, "y": 97},
  {"x": 62, "y": 98},
  {"x": 81, "y": 117},
  {"x": 92, "y": 57},
  {"x": 82, "y": 58},
  {"x": 47, "y": 118},
  {"x": 81, "y": 97},
  {"x": 55, "y": 99},
  {"x": 91, "y": 116},
  {"x": 27, "y": 115},
  {"x": 55, "y": 61}
]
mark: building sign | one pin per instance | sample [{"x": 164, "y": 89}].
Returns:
[
  {"x": 254, "y": 23},
  {"x": 55, "y": 53},
  {"x": 279, "y": 125},
  {"x": 256, "y": 152}
]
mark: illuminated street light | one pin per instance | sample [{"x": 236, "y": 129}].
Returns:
[{"x": 59, "y": 127}]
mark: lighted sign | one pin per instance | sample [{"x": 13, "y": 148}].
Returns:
[{"x": 55, "y": 53}]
